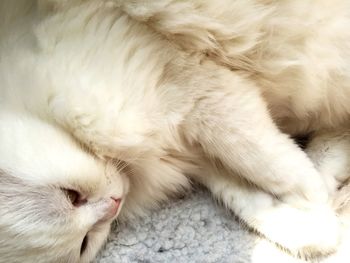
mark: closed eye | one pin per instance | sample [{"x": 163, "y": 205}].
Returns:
[{"x": 75, "y": 198}]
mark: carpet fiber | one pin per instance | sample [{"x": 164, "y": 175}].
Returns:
[{"x": 193, "y": 229}]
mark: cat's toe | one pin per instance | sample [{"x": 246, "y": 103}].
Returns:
[
  {"x": 315, "y": 252},
  {"x": 307, "y": 233},
  {"x": 319, "y": 235},
  {"x": 323, "y": 244}
]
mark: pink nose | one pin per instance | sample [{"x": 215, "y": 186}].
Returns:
[
  {"x": 112, "y": 209},
  {"x": 115, "y": 205}
]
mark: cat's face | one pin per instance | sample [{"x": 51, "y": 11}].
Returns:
[{"x": 56, "y": 201}]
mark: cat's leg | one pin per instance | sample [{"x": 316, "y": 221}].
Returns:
[
  {"x": 231, "y": 122},
  {"x": 306, "y": 233},
  {"x": 204, "y": 25},
  {"x": 330, "y": 153}
]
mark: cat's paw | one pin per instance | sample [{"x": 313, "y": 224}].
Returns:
[
  {"x": 330, "y": 153},
  {"x": 306, "y": 233}
]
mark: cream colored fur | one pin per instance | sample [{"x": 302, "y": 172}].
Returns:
[{"x": 141, "y": 97}]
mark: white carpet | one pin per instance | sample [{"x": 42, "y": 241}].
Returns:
[{"x": 193, "y": 229}]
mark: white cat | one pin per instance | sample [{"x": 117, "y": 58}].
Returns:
[{"x": 107, "y": 108}]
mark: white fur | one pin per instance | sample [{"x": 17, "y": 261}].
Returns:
[{"x": 174, "y": 90}]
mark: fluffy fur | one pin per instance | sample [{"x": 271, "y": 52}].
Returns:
[{"x": 133, "y": 99}]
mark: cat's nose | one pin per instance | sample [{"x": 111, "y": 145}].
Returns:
[
  {"x": 99, "y": 212},
  {"x": 112, "y": 209},
  {"x": 116, "y": 205}
]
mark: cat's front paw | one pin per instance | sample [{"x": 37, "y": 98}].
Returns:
[{"x": 306, "y": 233}]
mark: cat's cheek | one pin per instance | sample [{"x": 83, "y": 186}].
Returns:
[{"x": 118, "y": 182}]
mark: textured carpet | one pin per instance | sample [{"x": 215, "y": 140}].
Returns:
[{"x": 193, "y": 229}]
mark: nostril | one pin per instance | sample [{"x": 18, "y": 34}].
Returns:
[
  {"x": 117, "y": 202},
  {"x": 116, "y": 199}
]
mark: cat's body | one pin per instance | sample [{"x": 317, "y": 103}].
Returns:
[{"x": 174, "y": 91}]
